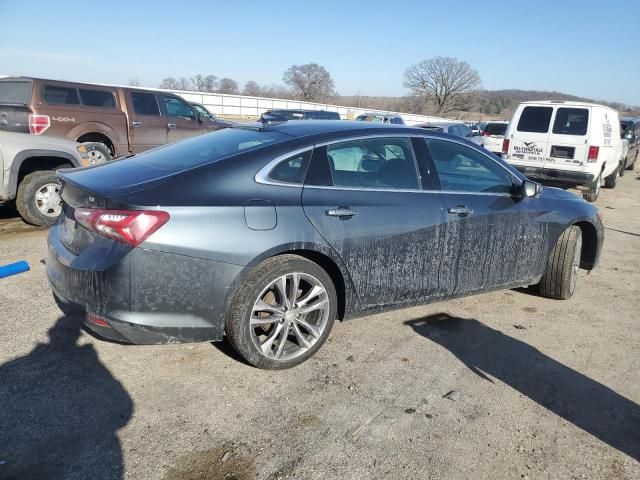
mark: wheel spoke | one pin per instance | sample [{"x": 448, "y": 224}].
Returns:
[
  {"x": 295, "y": 284},
  {"x": 281, "y": 286},
  {"x": 313, "y": 306},
  {"x": 258, "y": 321},
  {"x": 268, "y": 343},
  {"x": 262, "y": 306},
  {"x": 302, "y": 342},
  {"x": 313, "y": 293},
  {"x": 308, "y": 327},
  {"x": 282, "y": 341}
]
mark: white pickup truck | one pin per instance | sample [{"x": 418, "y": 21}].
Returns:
[{"x": 570, "y": 144}]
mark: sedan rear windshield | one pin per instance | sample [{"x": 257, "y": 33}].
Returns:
[
  {"x": 496, "y": 128},
  {"x": 15, "y": 92},
  {"x": 208, "y": 148}
]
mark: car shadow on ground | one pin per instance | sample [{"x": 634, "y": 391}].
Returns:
[
  {"x": 61, "y": 410},
  {"x": 589, "y": 405}
]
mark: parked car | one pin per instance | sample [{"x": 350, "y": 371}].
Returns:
[
  {"x": 452, "y": 128},
  {"x": 493, "y": 136},
  {"x": 303, "y": 114},
  {"x": 475, "y": 128},
  {"x": 572, "y": 144},
  {"x": 122, "y": 120},
  {"x": 380, "y": 118},
  {"x": 267, "y": 233},
  {"x": 630, "y": 131},
  {"x": 28, "y": 173},
  {"x": 204, "y": 111}
]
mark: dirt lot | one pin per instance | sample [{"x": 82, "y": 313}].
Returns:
[{"x": 501, "y": 385}]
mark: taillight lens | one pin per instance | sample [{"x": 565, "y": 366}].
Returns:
[
  {"x": 485, "y": 134},
  {"x": 593, "y": 154},
  {"x": 38, "y": 124},
  {"x": 505, "y": 146},
  {"x": 131, "y": 227}
]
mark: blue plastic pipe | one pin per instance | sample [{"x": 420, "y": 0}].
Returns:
[{"x": 14, "y": 269}]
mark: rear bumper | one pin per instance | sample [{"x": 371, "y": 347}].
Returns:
[
  {"x": 145, "y": 296},
  {"x": 562, "y": 177}
]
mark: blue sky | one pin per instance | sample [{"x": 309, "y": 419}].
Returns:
[{"x": 588, "y": 48}]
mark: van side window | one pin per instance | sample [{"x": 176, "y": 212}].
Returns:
[
  {"x": 535, "y": 119},
  {"x": 571, "y": 121},
  {"x": 60, "y": 95},
  {"x": 145, "y": 103},
  {"x": 97, "y": 98}
]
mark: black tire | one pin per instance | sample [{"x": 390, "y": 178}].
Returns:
[
  {"x": 623, "y": 166},
  {"x": 560, "y": 276},
  {"x": 98, "y": 153},
  {"x": 238, "y": 329},
  {"x": 593, "y": 193},
  {"x": 26, "y": 198},
  {"x": 633, "y": 164},
  {"x": 612, "y": 180}
]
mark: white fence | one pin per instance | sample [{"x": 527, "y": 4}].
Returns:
[{"x": 240, "y": 105}]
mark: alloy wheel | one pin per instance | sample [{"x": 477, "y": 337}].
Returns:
[
  {"x": 289, "y": 316},
  {"x": 48, "y": 200}
]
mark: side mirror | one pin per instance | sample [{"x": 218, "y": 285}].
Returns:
[
  {"x": 199, "y": 117},
  {"x": 531, "y": 189}
]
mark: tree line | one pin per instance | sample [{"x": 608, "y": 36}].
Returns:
[{"x": 437, "y": 86}]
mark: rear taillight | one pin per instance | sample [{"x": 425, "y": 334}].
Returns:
[
  {"x": 593, "y": 154},
  {"x": 485, "y": 134},
  {"x": 505, "y": 146},
  {"x": 38, "y": 124},
  {"x": 131, "y": 227}
]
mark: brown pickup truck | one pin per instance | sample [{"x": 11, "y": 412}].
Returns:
[{"x": 123, "y": 119}]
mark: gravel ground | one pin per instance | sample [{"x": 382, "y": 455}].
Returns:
[{"x": 500, "y": 385}]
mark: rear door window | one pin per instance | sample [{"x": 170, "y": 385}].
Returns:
[
  {"x": 535, "y": 119},
  {"x": 60, "y": 95},
  {"x": 145, "y": 104},
  {"x": 571, "y": 121},
  {"x": 97, "y": 98},
  {"x": 376, "y": 163}
]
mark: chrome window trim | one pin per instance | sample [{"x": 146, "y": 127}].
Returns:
[{"x": 262, "y": 176}]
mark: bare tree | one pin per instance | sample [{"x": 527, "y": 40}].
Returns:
[
  {"x": 204, "y": 83},
  {"x": 171, "y": 83},
  {"x": 227, "y": 85},
  {"x": 133, "y": 82},
  {"x": 310, "y": 81},
  {"x": 443, "y": 80},
  {"x": 252, "y": 88}
]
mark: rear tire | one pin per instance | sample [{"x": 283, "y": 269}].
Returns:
[
  {"x": 612, "y": 180},
  {"x": 633, "y": 165},
  {"x": 38, "y": 199},
  {"x": 623, "y": 166},
  {"x": 593, "y": 194},
  {"x": 561, "y": 274},
  {"x": 259, "y": 312},
  {"x": 98, "y": 153}
]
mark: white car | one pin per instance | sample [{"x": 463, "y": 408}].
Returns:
[
  {"x": 493, "y": 135},
  {"x": 570, "y": 144}
]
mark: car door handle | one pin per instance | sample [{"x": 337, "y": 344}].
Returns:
[
  {"x": 341, "y": 212},
  {"x": 135, "y": 123},
  {"x": 460, "y": 210},
  {"x": 172, "y": 126}
]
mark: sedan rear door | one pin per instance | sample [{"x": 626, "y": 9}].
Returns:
[{"x": 365, "y": 197}]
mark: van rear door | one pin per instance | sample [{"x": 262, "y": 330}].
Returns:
[
  {"x": 568, "y": 138},
  {"x": 15, "y": 96},
  {"x": 530, "y": 135}
]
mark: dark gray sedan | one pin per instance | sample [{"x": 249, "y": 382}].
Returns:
[{"x": 266, "y": 234}]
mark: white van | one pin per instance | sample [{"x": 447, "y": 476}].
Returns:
[{"x": 570, "y": 144}]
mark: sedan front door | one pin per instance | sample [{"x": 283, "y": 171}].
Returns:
[
  {"x": 494, "y": 238},
  {"x": 365, "y": 197}
]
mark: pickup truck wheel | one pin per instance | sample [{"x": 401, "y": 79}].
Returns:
[
  {"x": 593, "y": 193},
  {"x": 561, "y": 275},
  {"x": 97, "y": 152},
  {"x": 612, "y": 180},
  {"x": 283, "y": 313},
  {"x": 38, "y": 200}
]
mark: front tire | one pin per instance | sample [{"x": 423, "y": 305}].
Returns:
[
  {"x": 38, "y": 199},
  {"x": 283, "y": 313},
  {"x": 561, "y": 275},
  {"x": 633, "y": 165}
]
